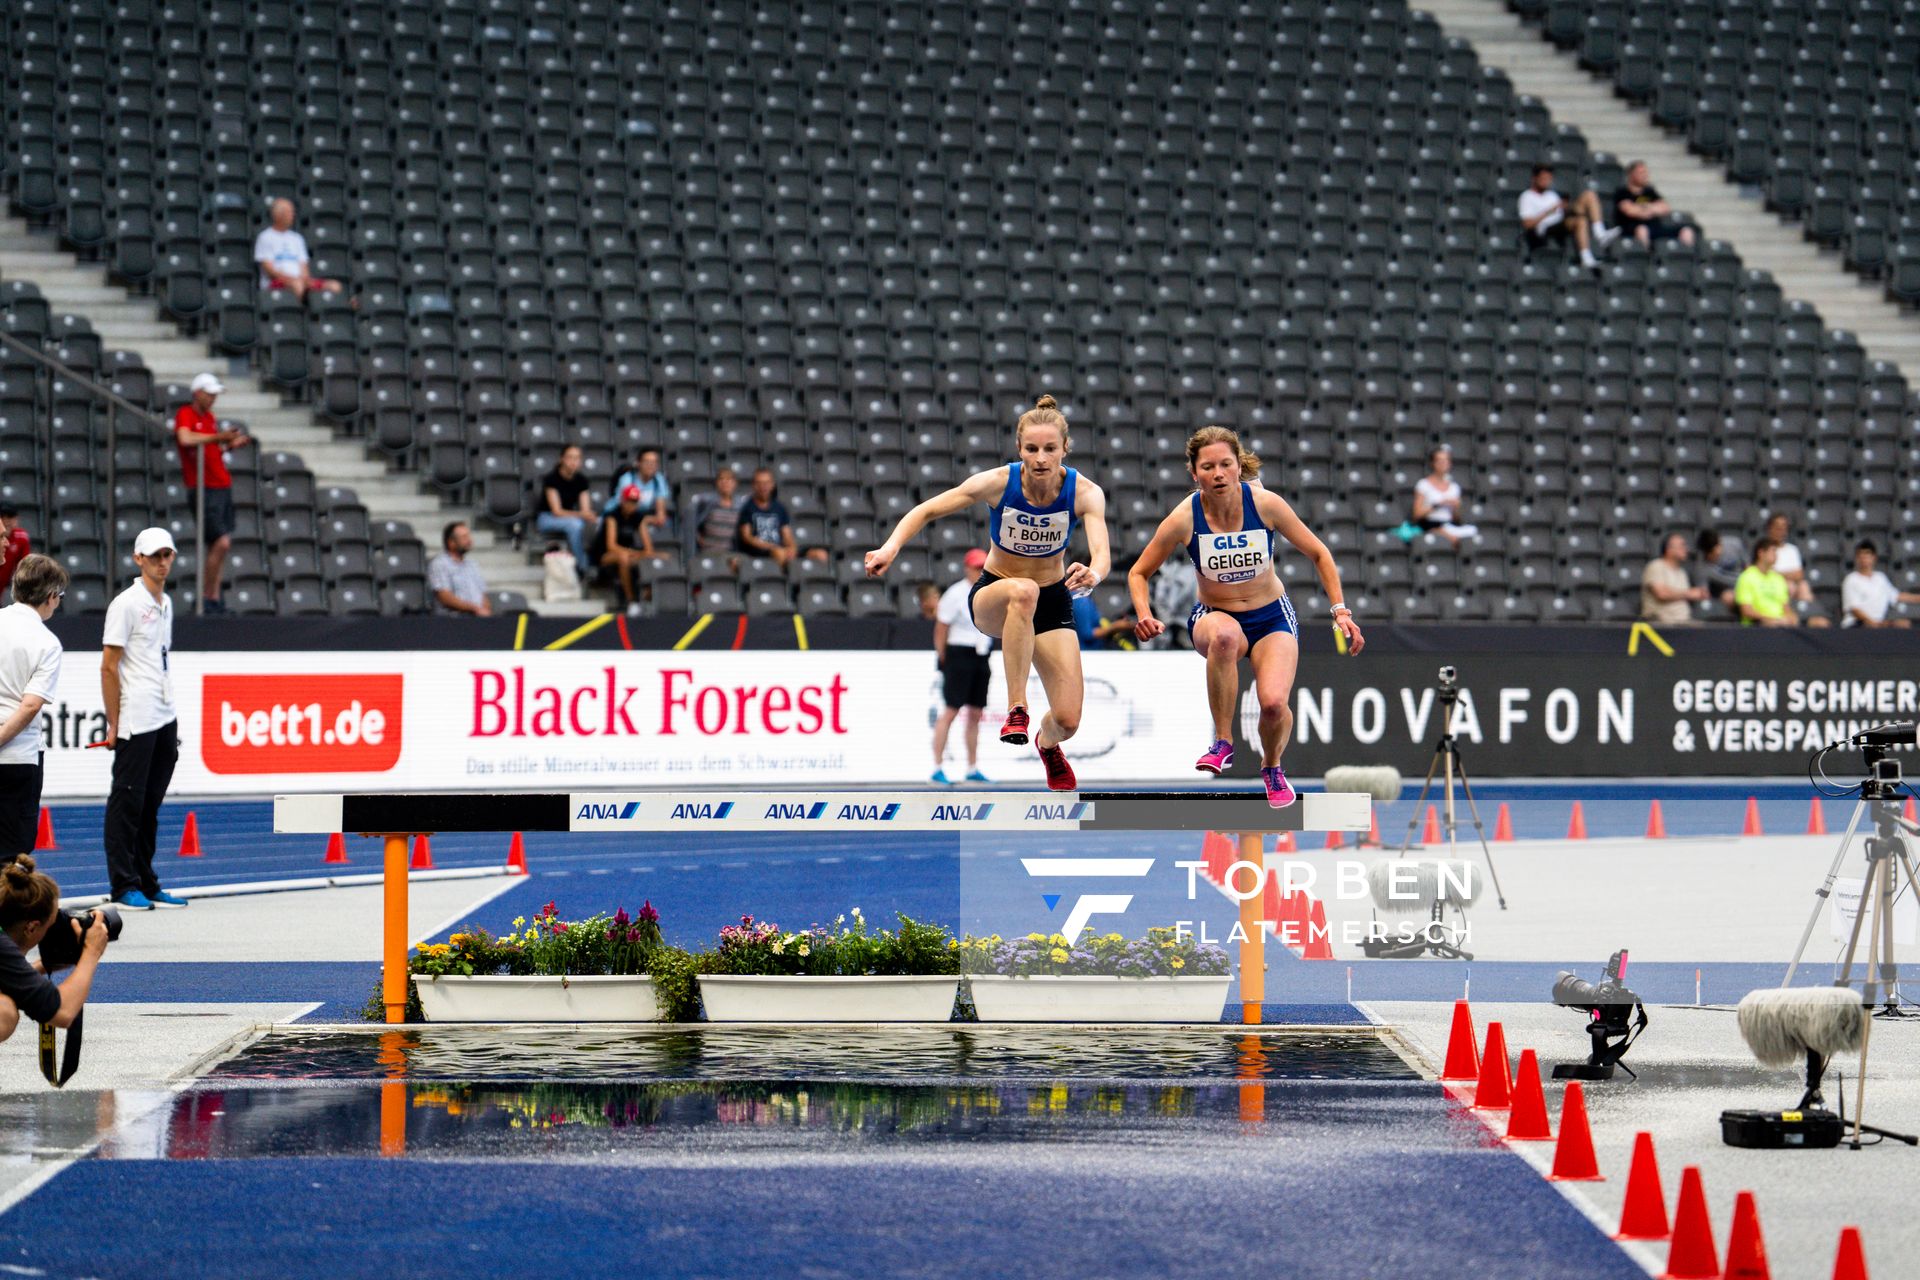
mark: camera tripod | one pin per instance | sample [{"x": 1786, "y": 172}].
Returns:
[
  {"x": 1446, "y": 760},
  {"x": 1887, "y": 858}
]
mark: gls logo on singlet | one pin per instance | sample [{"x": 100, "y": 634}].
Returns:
[
  {"x": 1027, "y": 534},
  {"x": 1233, "y": 557}
]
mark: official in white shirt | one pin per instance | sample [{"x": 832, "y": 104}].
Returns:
[
  {"x": 137, "y": 691},
  {"x": 29, "y": 680},
  {"x": 962, "y": 649}
]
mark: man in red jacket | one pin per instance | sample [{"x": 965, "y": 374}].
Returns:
[
  {"x": 203, "y": 464},
  {"x": 14, "y": 544}
]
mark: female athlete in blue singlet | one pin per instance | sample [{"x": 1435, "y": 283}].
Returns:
[
  {"x": 1025, "y": 598},
  {"x": 1228, "y": 527}
]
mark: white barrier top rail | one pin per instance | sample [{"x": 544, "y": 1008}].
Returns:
[{"x": 796, "y": 811}]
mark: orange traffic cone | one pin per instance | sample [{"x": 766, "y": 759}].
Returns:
[
  {"x": 1911, "y": 814},
  {"x": 1495, "y": 1092},
  {"x": 1851, "y": 1262},
  {"x": 422, "y": 855},
  {"x": 1577, "y": 824},
  {"x": 517, "y": 855},
  {"x": 1284, "y": 843},
  {"x": 1746, "y": 1247},
  {"x": 1463, "y": 1055},
  {"x": 43, "y": 841},
  {"x": 1644, "y": 1214},
  {"x": 1503, "y": 825},
  {"x": 1430, "y": 834},
  {"x": 336, "y": 848},
  {"x": 1294, "y": 918},
  {"x": 1816, "y": 818},
  {"x": 1319, "y": 946},
  {"x": 1217, "y": 850},
  {"x": 190, "y": 837},
  {"x": 1656, "y": 824},
  {"x": 1693, "y": 1255},
  {"x": 1373, "y": 827},
  {"x": 1752, "y": 826},
  {"x": 1573, "y": 1157},
  {"x": 1527, "y": 1122},
  {"x": 1333, "y": 839}
]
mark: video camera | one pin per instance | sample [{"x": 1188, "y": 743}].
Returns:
[
  {"x": 1616, "y": 1017},
  {"x": 60, "y": 949}
]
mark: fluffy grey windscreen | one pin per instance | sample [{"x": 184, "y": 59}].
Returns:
[{"x": 1780, "y": 1024}]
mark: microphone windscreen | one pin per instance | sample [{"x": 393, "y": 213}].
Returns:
[
  {"x": 1382, "y": 781},
  {"x": 1403, "y": 886},
  {"x": 1781, "y": 1024}
]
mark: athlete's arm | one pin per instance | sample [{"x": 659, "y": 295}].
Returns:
[
  {"x": 1166, "y": 542},
  {"x": 1279, "y": 516},
  {"x": 1090, "y": 508},
  {"x": 980, "y": 487}
]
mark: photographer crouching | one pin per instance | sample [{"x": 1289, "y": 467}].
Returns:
[{"x": 30, "y": 917}]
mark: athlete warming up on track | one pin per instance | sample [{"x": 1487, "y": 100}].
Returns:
[
  {"x": 1025, "y": 598},
  {"x": 1227, "y": 526}
]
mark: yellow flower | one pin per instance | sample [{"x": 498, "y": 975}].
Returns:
[
  {"x": 1036, "y": 937},
  {"x": 1058, "y": 940},
  {"x": 953, "y": 944},
  {"x": 1177, "y": 963},
  {"x": 1059, "y": 955},
  {"x": 1114, "y": 937},
  {"x": 518, "y": 921},
  {"x": 805, "y": 950},
  {"x": 1166, "y": 946}
]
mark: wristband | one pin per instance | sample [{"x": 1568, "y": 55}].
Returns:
[{"x": 1339, "y": 609}]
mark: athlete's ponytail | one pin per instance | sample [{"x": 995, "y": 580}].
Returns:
[
  {"x": 1249, "y": 464},
  {"x": 1045, "y": 413}
]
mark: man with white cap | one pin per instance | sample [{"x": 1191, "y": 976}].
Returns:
[
  {"x": 203, "y": 464},
  {"x": 137, "y": 691}
]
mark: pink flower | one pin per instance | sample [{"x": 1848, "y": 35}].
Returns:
[{"x": 647, "y": 914}]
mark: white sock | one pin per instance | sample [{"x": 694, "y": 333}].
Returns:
[{"x": 1587, "y": 259}]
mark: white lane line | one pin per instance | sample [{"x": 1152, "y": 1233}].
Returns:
[{"x": 462, "y": 916}]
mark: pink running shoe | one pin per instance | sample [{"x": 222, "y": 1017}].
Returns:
[
  {"x": 1217, "y": 759},
  {"x": 1280, "y": 792}
]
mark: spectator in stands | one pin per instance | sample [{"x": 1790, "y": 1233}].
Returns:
[
  {"x": 16, "y": 544},
  {"x": 714, "y": 517},
  {"x": 960, "y": 651},
  {"x": 655, "y": 493},
  {"x": 1665, "y": 590},
  {"x": 1761, "y": 596},
  {"x": 455, "y": 580},
  {"x": 1639, "y": 210},
  {"x": 1096, "y": 632},
  {"x": 282, "y": 254},
  {"x": 1176, "y": 589},
  {"x": 626, "y": 543},
  {"x": 1436, "y": 499},
  {"x": 1788, "y": 563},
  {"x": 1720, "y": 564},
  {"x": 1868, "y": 594},
  {"x": 1547, "y": 219},
  {"x": 202, "y": 442},
  {"x": 765, "y": 528},
  {"x": 565, "y": 508},
  {"x": 929, "y": 596}
]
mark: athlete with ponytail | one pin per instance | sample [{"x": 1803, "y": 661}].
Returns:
[
  {"x": 1024, "y": 599},
  {"x": 1228, "y": 527}
]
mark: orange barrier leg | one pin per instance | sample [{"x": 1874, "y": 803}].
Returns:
[
  {"x": 1253, "y": 947},
  {"x": 393, "y": 980}
]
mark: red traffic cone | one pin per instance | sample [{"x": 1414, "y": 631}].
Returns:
[
  {"x": 1851, "y": 1262},
  {"x": 1294, "y": 918},
  {"x": 336, "y": 848},
  {"x": 1656, "y": 823},
  {"x": 1746, "y": 1247},
  {"x": 1333, "y": 839},
  {"x": 1503, "y": 825},
  {"x": 1318, "y": 944},
  {"x": 1643, "y": 1216},
  {"x": 1816, "y": 818},
  {"x": 1495, "y": 1092},
  {"x": 1217, "y": 851},
  {"x": 1527, "y": 1122},
  {"x": 1463, "y": 1055},
  {"x": 43, "y": 841},
  {"x": 422, "y": 855},
  {"x": 190, "y": 837},
  {"x": 1577, "y": 823},
  {"x": 1752, "y": 825},
  {"x": 1573, "y": 1158},
  {"x": 1430, "y": 833},
  {"x": 1693, "y": 1255},
  {"x": 517, "y": 855},
  {"x": 1284, "y": 844}
]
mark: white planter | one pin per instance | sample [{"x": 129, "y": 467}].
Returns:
[
  {"x": 1077, "y": 998},
  {"x": 498, "y": 998},
  {"x": 766, "y": 998}
]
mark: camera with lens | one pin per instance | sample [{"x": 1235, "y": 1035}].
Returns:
[
  {"x": 1449, "y": 679},
  {"x": 1615, "y": 1019},
  {"x": 60, "y": 949}
]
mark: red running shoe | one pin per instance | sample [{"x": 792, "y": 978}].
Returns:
[
  {"x": 1059, "y": 772},
  {"x": 1015, "y": 729}
]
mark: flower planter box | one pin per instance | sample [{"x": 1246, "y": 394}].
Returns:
[
  {"x": 1081, "y": 998},
  {"x": 783, "y": 998},
  {"x": 496, "y": 998}
]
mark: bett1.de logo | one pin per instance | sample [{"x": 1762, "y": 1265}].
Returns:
[{"x": 301, "y": 724}]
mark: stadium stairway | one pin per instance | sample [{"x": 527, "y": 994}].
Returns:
[
  {"x": 129, "y": 322},
  {"x": 1692, "y": 185}
]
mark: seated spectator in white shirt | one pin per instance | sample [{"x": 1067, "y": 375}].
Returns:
[
  {"x": 1867, "y": 594},
  {"x": 282, "y": 254},
  {"x": 1436, "y": 500},
  {"x": 1790, "y": 565},
  {"x": 1549, "y": 218}
]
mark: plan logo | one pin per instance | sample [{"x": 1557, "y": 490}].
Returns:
[
  {"x": 701, "y": 812},
  {"x": 961, "y": 812},
  {"x": 796, "y": 812},
  {"x": 1087, "y": 905},
  {"x": 609, "y": 812}
]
